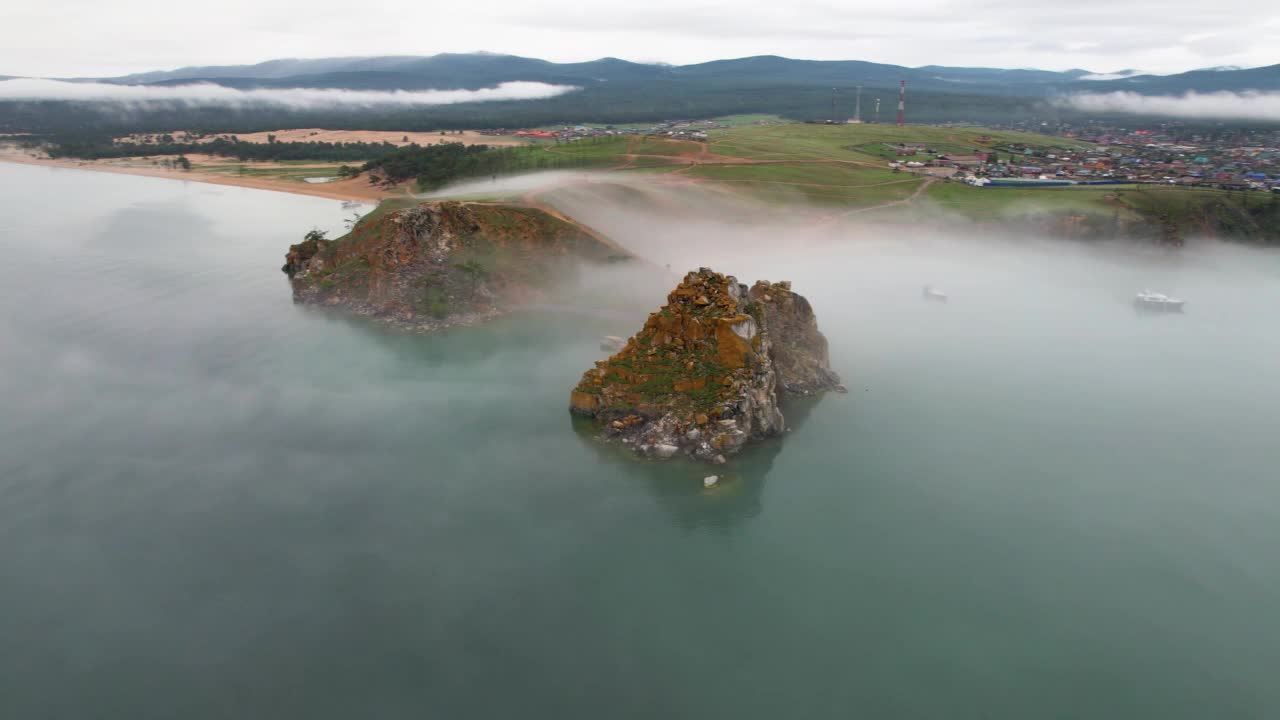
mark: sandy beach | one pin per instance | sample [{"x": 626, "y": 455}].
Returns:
[{"x": 357, "y": 189}]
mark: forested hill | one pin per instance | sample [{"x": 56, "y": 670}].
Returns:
[
  {"x": 610, "y": 91},
  {"x": 451, "y": 70}
]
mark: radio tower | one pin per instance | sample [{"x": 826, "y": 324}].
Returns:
[
  {"x": 902, "y": 104},
  {"x": 857, "y": 107},
  {"x": 833, "y": 106}
]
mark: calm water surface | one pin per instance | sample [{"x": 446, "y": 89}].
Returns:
[{"x": 214, "y": 504}]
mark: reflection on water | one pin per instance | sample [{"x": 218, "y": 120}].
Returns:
[{"x": 677, "y": 484}]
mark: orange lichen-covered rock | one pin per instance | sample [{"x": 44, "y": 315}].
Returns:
[
  {"x": 733, "y": 340},
  {"x": 689, "y": 384},
  {"x": 700, "y": 378},
  {"x": 584, "y": 402}
]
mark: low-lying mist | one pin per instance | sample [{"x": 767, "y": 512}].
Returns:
[
  {"x": 210, "y": 95},
  {"x": 679, "y": 224},
  {"x": 1247, "y": 105},
  {"x": 1027, "y": 315}
]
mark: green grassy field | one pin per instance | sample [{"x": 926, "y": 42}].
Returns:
[
  {"x": 846, "y": 166},
  {"x": 842, "y": 165},
  {"x": 832, "y": 174},
  {"x": 608, "y": 149},
  {"x": 835, "y": 196},
  {"x": 997, "y": 203},
  {"x": 863, "y": 142},
  {"x": 648, "y": 145},
  {"x": 823, "y": 183},
  {"x": 1156, "y": 199},
  {"x": 746, "y": 120},
  {"x": 654, "y": 168}
]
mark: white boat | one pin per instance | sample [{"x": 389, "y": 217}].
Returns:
[
  {"x": 934, "y": 294},
  {"x": 1148, "y": 300}
]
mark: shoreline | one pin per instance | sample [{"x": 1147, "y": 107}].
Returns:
[{"x": 355, "y": 189}]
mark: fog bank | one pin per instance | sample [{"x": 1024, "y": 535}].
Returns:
[
  {"x": 1247, "y": 105},
  {"x": 209, "y": 94}
]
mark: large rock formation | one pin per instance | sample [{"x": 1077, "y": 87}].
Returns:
[
  {"x": 436, "y": 264},
  {"x": 703, "y": 376}
]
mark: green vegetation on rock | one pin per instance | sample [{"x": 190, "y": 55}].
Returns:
[
  {"x": 702, "y": 377},
  {"x": 433, "y": 264}
]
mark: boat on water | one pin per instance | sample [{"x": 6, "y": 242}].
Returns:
[
  {"x": 1158, "y": 302},
  {"x": 932, "y": 293}
]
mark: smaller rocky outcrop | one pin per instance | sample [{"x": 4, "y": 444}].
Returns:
[
  {"x": 703, "y": 376},
  {"x": 436, "y": 264}
]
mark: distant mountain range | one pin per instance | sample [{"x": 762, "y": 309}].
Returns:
[
  {"x": 622, "y": 92},
  {"x": 485, "y": 69}
]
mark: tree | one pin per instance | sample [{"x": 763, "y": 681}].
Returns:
[{"x": 183, "y": 162}]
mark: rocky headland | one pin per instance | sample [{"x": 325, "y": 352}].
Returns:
[
  {"x": 438, "y": 264},
  {"x": 704, "y": 376}
]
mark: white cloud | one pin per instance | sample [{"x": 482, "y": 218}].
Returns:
[
  {"x": 97, "y": 39},
  {"x": 1113, "y": 76},
  {"x": 1216, "y": 105},
  {"x": 206, "y": 94}
]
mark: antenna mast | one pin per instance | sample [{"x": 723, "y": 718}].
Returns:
[{"x": 902, "y": 104}]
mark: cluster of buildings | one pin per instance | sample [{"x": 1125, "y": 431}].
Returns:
[
  {"x": 684, "y": 129},
  {"x": 676, "y": 129},
  {"x": 1234, "y": 168},
  {"x": 1234, "y": 159}
]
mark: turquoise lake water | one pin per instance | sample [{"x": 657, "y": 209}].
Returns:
[{"x": 1033, "y": 503}]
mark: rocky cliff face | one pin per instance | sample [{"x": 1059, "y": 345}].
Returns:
[
  {"x": 438, "y": 264},
  {"x": 703, "y": 376}
]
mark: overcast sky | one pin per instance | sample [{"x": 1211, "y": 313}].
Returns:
[{"x": 53, "y": 38}]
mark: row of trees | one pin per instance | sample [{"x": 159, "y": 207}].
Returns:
[
  {"x": 434, "y": 166},
  {"x": 94, "y": 148}
]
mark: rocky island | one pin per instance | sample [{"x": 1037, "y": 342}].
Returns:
[
  {"x": 431, "y": 265},
  {"x": 704, "y": 375}
]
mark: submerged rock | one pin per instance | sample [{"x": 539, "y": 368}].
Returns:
[
  {"x": 703, "y": 376},
  {"x": 437, "y": 264}
]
